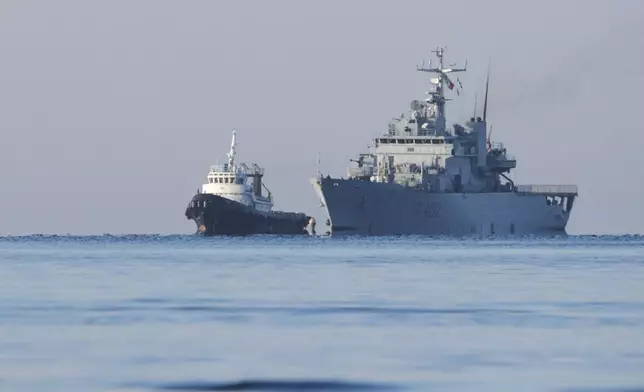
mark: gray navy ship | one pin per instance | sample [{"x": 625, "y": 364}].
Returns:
[{"x": 421, "y": 177}]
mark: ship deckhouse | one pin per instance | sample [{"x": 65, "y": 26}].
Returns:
[
  {"x": 418, "y": 148},
  {"x": 238, "y": 182}
]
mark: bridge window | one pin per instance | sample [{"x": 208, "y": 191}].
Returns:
[
  {"x": 418, "y": 141},
  {"x": 401, "y": 141}
]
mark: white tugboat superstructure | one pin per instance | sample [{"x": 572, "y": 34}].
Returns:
[{"x": 236, "y": 182}]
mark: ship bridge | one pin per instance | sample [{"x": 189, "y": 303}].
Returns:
[
  {"x": 413, "y": 149},
  {"x": 236, "y": 174}
]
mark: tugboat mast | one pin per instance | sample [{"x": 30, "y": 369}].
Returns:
[{"x": 231, "y": 154}]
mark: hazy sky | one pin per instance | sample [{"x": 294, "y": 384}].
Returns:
[{"x": 112, "y": 111}]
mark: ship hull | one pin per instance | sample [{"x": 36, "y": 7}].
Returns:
[
  {"x": 356, "y": 207},
  {"x": 216, "y": 215}
]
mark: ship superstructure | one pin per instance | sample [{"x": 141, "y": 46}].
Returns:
[
  {"x": 421, "y": 177},
  {"x": 238, "y": 182},
  {"x": 231, "y": 202}
]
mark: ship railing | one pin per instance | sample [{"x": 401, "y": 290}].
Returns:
[
  {"x": 238, "y": 170},
  {"x": 496, "y": 145},
  {"x": 547, "y": 189},
  {"x": 254, "y": 170},
  {"x": 504, "y": 157}
]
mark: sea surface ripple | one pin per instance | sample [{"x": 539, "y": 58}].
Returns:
[{"x": 269, "y": 313}]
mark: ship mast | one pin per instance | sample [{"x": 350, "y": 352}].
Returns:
[
  {"x": 437, "y": 93},
  {"x": 487, "y": 86},
  {"x": 231, "y": 154}
]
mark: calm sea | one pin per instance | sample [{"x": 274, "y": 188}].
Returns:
[{"x": 155, "y": 313}]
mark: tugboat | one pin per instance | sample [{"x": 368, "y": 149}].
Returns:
[{"x": 231, "y": 203}]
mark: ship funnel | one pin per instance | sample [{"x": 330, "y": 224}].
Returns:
[
  {"x": 257, "y": 185},
  {"x": 257, "y": 180}
]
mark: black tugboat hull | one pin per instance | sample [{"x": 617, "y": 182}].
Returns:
[{"x": 216, "y": 215}]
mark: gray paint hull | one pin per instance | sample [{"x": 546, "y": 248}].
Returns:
[{"x": 357, "y": 207}]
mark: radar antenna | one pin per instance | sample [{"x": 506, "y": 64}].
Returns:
[{"x": 437, "y": 93}]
